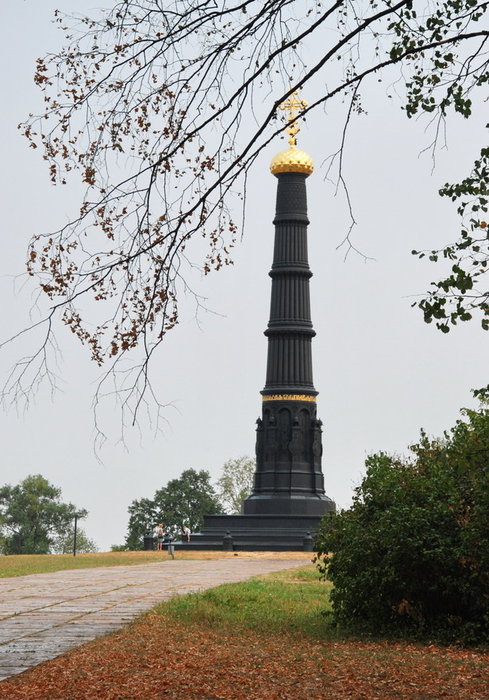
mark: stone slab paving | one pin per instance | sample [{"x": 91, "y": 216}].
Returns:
[{"x": 44, "y": 615}]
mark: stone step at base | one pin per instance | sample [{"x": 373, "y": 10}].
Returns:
[
  {"x": 249, "y": 541},
  {"x": 241, "y": 547}
]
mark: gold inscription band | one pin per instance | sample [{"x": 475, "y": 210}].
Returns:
[{"x": 289, "y": 397}]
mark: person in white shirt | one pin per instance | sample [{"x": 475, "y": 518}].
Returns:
[{"x": 159, "y": 533}]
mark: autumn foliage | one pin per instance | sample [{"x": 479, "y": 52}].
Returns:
[{"x": 164, "y": 655}]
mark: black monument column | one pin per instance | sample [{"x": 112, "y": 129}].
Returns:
[
  {"x": 288, "y": 478},
  {"x": 288, "y": 498}
]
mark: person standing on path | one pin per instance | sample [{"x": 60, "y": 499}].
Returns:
[{"x": 160, "y": 535}]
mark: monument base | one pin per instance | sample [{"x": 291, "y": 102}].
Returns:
[
  {"x": 287, "y": 504},
  {"x": 256, "y": 533}
]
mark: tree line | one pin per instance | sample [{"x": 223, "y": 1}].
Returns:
[
  {"x": 185, "y": 501},
  {"x": 34, "y": 519}
]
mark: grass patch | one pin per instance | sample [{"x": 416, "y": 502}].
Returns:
[
  {"x": 24, "y": 564},
  {"x": 284, "y": 602},
  {"x": 303, "y": 575}
]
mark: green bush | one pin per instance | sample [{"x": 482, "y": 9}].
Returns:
[{"x": 412, "y": 553}]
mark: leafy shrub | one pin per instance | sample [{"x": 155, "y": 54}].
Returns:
[{"x": 411, "y": 555}]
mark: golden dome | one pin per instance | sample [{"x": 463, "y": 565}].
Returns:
[{"x": 292, "y": 160}]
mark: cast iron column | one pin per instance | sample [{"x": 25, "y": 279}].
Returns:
[{"x": 288, "y": 478}]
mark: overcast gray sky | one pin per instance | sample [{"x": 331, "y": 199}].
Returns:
[{"x": 381, "y": 372}]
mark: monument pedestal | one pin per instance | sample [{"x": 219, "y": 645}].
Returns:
[{"x": 266, "y": 533}]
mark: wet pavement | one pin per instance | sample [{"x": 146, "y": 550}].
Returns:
[{"x": 44, "y": 615}]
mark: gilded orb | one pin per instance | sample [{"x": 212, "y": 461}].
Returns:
[{"x": 292, "y": 160}]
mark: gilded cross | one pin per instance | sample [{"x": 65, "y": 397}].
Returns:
[{"x": 293, "y": 104}]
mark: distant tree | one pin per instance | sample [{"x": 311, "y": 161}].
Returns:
[
  {"x": 64, "y": 543},
  {"x": 32, "y": 516},
  {"x": 119, "y": 548},
  {"x": 142, "y": 519},
  {"x": 186, "y": 500},
  {"x": 183, "y": 501},
  {"x": 235, "y": 483},
  {"x": 412, "y": 553}
]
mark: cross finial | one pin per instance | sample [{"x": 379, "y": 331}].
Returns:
[{"x": 293, "y": 104}]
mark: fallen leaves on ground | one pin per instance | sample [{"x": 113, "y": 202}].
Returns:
[{"x": 160, "y": 657}]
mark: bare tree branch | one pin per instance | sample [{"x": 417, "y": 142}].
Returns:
[{"x": 145, "y": 105}]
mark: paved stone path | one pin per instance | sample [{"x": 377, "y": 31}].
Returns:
[{"x": 44, "y": 615}]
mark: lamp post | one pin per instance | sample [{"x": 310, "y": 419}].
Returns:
[{"x": 74, "y": 535}]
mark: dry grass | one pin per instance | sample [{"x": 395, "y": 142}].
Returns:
[{"x": 23, "y": 564}]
